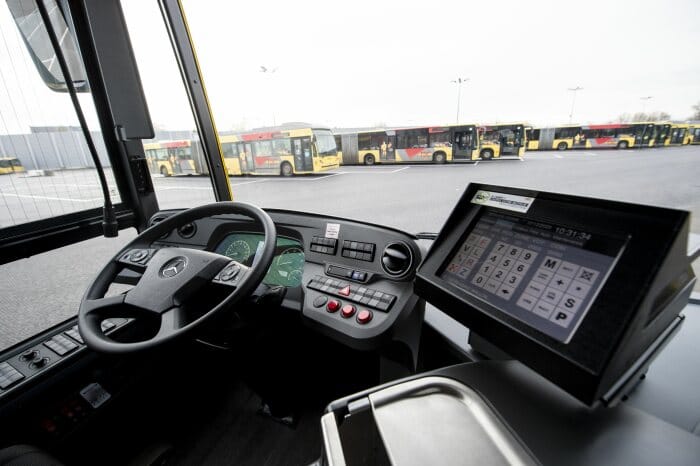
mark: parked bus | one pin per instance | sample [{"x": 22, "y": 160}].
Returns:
[
  {"x": 617, "y": 135},
  {"x": 170, "y": 158},
  {"x": 613, "y": 135},
  {"x": 283, "y": 151},
  {"x": 431, "y": 144},
  {"x": 496, "y": 141},
  {"x": 10, "y": 165}
]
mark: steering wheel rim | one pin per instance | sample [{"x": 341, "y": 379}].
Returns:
[{"x": 199, "y": 269}]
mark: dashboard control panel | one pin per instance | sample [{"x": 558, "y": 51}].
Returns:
[
  {"x": 358, "y": 294},
  {"x": 351, "y": 281},
  {"x": 47, "y": 350},
  {"x": 579, "y": 289}
]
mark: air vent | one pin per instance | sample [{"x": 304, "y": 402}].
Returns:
[
  {"x": 157, "y": 219},
  {"x": 397, "y": 259},
  {"x": 187, "y": 230}
]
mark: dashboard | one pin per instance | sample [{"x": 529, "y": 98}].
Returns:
[
  {"x": 349, "y": 280},
  {"x": 287, "y": 267}
]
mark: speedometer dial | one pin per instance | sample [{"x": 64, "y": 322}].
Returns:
[
  {"x": 239, "y": 251},
  {"x": 289, "y": 265}
]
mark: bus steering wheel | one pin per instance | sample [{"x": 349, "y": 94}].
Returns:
[{"x": 170, "y": 281}]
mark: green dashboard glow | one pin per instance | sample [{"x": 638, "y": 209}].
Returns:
[{"x": 287, "y": 267}]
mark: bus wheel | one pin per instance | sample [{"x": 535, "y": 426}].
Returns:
[
  {"x": 562, "y": 146},
  {"x": 486, "y": 154},
  {"x": 286, "y": 169},
  {"x": 622, "y": 145},
  {"x": 163, "y": 171},
  {"x": 439, "y": 157},
  {"x": 369, "y": 159}
]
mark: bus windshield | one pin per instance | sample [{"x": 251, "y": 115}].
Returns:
[
  {"x": 391, "y": 136},
  {"x": 325, "y": 143}
]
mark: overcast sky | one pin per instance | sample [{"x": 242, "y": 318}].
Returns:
[{"x": 361, "y": 63}]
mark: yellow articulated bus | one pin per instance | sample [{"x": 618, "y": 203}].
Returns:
[
  {"x": 282, "y": 151},
  {"x": 613, "y": 135},
  {"x": 170, "y": 158},
  {"x": 496, "y": 141},
  {"x": 430, "y": 144},
  {"x": 10, "y": 165}
]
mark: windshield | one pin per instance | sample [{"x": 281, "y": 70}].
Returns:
[
  {"x": 416, "y": 100},
  {"x": 325, "y": 143}
]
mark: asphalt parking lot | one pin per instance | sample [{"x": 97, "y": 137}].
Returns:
[{"x": 410, "y": 197}]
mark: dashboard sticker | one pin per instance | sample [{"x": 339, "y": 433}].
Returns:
[
  {"x": 503, "y": 201},
  {"x": 332, "y": 230}
]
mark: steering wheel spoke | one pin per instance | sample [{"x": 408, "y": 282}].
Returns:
[
  {"x": 136, "y": 259},
  {"x": 103, "y": 308},
  {"x": 232, "y": 274},
  {"x": 171, "y": 321}
]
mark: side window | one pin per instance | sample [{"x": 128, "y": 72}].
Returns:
[
  {"x": 535, "y": 135},
  {"x": 377, "y": 139},
  {"x": 363, "y": 141},
  {"x": 439, "y": 139},
  {"x": 263, "y": 148},
  {"x": 228, "y": 149},
  {"x": 402, "y": 140},
  {"x": 282, "y": 147}
]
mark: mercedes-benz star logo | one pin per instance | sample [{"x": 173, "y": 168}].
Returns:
[{"x": 173, "y": 267}]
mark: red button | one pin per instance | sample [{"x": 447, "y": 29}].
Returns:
[
  {"x": 344, "y": 291},
  {"x": 333, "y": 305},
  {"x": 364, "y": 316},
  {"x": 348, "y": 311}
]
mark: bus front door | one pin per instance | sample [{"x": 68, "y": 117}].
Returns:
[
  {"x": 463, "y": 142},
  {"x": 387, "y": 154},
  {"x": 303, "y": 160},
  {"x": 511, "y": 140},
  {"x": 249, "y": 165}
]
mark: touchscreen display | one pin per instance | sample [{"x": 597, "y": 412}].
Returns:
[{"x": 543, "y": 274}]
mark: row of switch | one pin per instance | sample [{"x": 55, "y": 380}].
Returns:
[
  {"x": 364, "y": 316},
  {"x": 359, "y": 294},
  {"x": 9, "y": 375},
  {"x": 59, "y": 344},
  {"x": 358, "y": 250},
  {"x": 323, "y": 245}
]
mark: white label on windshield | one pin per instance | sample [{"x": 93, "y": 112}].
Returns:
[
  {"x": 503, "y": 201},
  {"x": 332, "y": 230}
]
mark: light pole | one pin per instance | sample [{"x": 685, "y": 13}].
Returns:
[
  {"x": 459, "y": 82},
  {"x": 270, "y": 72},
  {"x": 645, "y": 99},
  {"x": 574, "y": 90}
]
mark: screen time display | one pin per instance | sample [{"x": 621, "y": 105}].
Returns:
[{"x": 543, "y": 274}]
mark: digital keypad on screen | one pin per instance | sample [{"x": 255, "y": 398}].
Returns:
[{"x": 547, "y": 284}]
